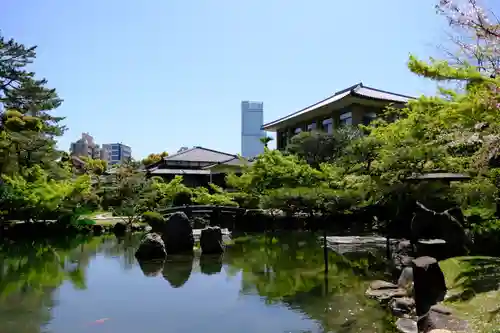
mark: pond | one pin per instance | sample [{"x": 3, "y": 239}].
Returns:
[{"x": 261, "y": 284}]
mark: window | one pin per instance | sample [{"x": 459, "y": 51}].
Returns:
[
  {"x": 311, "y": 127},
  {"x": 368, "y": 117},
  {"x": 346, "y": 118},
  {"x": 327, "y": 125}
]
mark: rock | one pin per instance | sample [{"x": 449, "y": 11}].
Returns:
[
  {"x": 428, "y": 283},
  {"x": 405, "y": 325},
  {"x": 211, "y": 240},
  {"x": 97, "y": 229},
  {"x": 152, "y": 247},
  {"x": 406, "y": 278},
  {"x": 178, "y": 234},
  {"x": 379, "y": 284},
  {"x": 385, "y": 294},
  {"x": 440, "y": 308},
  {"x": 120, "y": 229},
  {"x": 434, "y": 320},
  {"x": 402, "y": 306}
]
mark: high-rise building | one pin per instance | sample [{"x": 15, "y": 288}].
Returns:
[
  {"x": 117, "y": 152},
  {"x": 86, "y": 147},
  {"x": 252, "y": 119}
]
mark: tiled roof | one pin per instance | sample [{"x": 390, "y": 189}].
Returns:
[
  {"x": 179, "y": 172},
  {"x": 236, "y": 161},
  {"x": 200, "y": 154},
  {"x": 358, "y": 90}
]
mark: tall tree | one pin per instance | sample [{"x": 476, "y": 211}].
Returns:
[{"x": 28, "y": 131}]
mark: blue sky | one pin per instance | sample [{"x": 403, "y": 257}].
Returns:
[{"x": 161, "y": 74}]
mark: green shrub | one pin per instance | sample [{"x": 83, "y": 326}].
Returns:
[{"x": 154, "y": 219}]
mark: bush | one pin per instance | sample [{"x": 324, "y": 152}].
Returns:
[{"x": 154, "y": 219}]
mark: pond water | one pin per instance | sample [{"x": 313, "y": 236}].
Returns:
[{"x": 261, "y": 284}]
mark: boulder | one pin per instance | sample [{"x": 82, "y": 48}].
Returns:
[
  {"x": 402, "y": 305},
  {"x": 405, "y": 325},
  {"x": 437, "y": 321},
  {"x": 152, "y": 247},
  {"x": 178, "y": 234},
  {"x": 120, "y": 229},
  {"x": 211, "y": 240},
  {"x": 97, "y": 229},
  {"x": 384, "y": 295},
  {"x": 380, "y": 284},
  {"x": 406, "y": 278},
  {"x": 428, "y": 284}
]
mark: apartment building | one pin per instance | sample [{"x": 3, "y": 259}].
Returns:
[
  {"x": 117, "y": 152},
  {"x": 355, "y": 105},
  {"x": 86, "y": 147}
]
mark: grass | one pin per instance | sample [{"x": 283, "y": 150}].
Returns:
[{"x": 473, "y": 284}]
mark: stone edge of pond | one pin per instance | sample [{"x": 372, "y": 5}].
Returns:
[{"x": 399, "y": 297}]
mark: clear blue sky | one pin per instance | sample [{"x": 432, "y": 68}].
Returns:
[{"x": 161, "y": 74}]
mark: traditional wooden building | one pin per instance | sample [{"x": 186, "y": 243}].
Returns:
[
  {"x": 198, "y": 166},
  {"x": 355, "y": 105}
]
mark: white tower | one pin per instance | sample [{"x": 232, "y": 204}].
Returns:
[{"x": 252, "y": 119}]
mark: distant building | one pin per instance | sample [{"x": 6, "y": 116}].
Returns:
[
  {"x": 252, "y": 119},
  {"x": 117, "y": 153},
  {"x": 198, "y": 166},
  {"x": 86, "y": 147}
]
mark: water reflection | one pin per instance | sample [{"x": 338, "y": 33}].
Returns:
[
  {"x": 151, "y": 268},
  {"x": 285, "y": 271},
  {"x": 177, "y": 269},
  {"x": 211, "y": 264}
]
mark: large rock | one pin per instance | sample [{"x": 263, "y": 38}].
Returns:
[
  {"x": 438, "y": 321},
  {"x": 211, "y": 240},
  {"x": 428, "y": 284},
  {"x": 152, "y": 247},
  {"x": 178, "y": 234}
]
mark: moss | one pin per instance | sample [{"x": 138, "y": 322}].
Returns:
[{"x": 474, "y": 294}]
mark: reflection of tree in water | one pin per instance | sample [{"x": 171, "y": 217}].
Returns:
[
  {"x": 177, "y": 269},
  {"x": 290, "y": 269},
  {"x": 211, "y": 264},
  {"x": 31, "y": 271},
  {"x": 151, "y": 268},
  {"x": 124, "y": 248}
]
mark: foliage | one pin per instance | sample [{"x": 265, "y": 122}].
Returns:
[
  {"x": 153, "y": 158},
  {"x": 318, "y": 147}
]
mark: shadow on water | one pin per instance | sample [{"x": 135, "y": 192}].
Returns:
[
  {"x": 211, "y": 264},
  {"x": 177, "y": 269}
]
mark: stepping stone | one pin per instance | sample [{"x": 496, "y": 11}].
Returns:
[
  {"x": 379, "y": 284},
  {"x": 405, "y": 325}
]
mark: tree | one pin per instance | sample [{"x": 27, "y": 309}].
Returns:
[
  {"x": 318, "y": 147},
  {"x": 153, "y": 158},
  {"x": 477, "y": 34},
  {"x": 27, "y": 130},
  {"x": 265, "y": 140}
]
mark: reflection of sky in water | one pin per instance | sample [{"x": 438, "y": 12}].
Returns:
[{"x": 135, "y": 303}]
